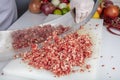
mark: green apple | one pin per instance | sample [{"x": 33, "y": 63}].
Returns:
[{"x": 57, "y": 12}]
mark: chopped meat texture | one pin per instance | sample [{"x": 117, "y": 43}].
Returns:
[
  {"x": 60, "y": 55},
  {"x": 34, "y": 35}
]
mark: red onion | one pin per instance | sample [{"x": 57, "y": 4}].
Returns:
[
  {"x": 45, "y": 1},
  {"x": 64, "y": 1},
  {"x": 108, "y": 3},
  {"x": 47, "y": 8}
]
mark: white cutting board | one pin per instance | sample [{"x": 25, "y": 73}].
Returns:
[{"x": 18, "y": 68}]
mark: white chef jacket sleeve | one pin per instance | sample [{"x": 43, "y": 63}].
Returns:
[{"x": 8, "y": 13}]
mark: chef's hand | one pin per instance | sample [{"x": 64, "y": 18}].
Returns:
[{"x": 82, "y": 8}]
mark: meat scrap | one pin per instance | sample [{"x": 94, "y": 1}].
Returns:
[
  {"x": 34, "y": 35},
  {"x": 60, "y": 55}
]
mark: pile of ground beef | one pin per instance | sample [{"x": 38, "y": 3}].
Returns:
[
  {"x": 59, "y": 55},
  {"x": 35, "y": 35}
]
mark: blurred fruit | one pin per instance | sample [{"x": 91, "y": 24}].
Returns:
[
  {"x": 68, "y": 8},
  {"x": 65, "y": 10},
  {"x": 99, "y": 9},
  {"x": 106, "y": 3},
  {"x": 47, "y": 8},
  {"x": 34, "y": 6},
  {"x": 45, "y": 1},
  {"x": 62, "y": 5},
  {"x": 111, "y": 11},
  {"x": 55, "y": 2},
  {"x": 100, "y": 1},
  {"x": 57, "y": 12},
  {"x": 96, "y": 15},
  {"x": 68, "y": 5},
  {"x": 64, "y": 1}
]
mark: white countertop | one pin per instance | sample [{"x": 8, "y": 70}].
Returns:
[{"x": 110, "y": 47}]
